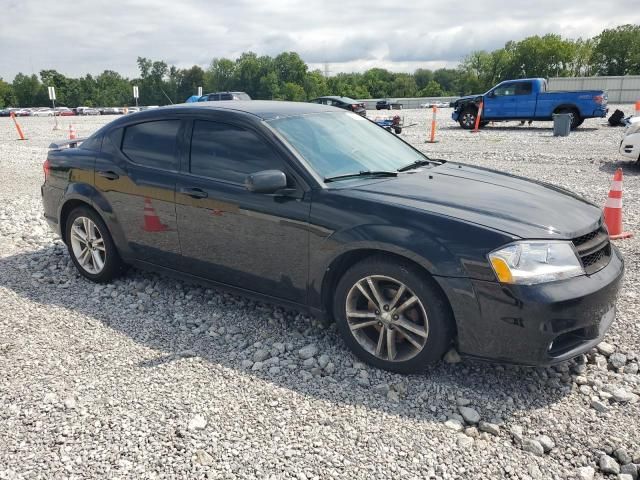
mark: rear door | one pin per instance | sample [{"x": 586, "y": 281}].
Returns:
[
  {"x": 525, "y": 100},
  {"x": 248, "y": 240},
  {"x": 136, "y": 172}
]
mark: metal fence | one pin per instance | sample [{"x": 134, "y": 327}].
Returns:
[
  {"x": 620, "y": 89},
  {"x": 370, "y": 103}
]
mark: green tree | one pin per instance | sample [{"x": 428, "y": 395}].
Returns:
[
  {"x": 617, "y": 51},
  {"x": 290, "y": 68},
  {"x": 432, "y": 89},
  {"x": 315, "y": 84},
  {"x": 7, "y": 98},
  {"x": 293, "y": 92},
  {"x": 423, "y": 77},
  {"x": 28, "y": 90},
  {"x": 404, "y": 85}
]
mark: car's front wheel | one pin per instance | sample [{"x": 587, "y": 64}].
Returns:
[
  {"x": 91, "y": 247},
  {"x": 467, "y": 118},
  {"x": 392, "y": 316}
]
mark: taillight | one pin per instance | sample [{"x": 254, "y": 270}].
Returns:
[
  {"x": 46, "y": 167},
  {"x": 598, "y": 99}
]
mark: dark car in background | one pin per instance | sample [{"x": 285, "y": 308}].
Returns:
[
  {"x": 322, "y": 210},
  {"x": 388, "y": 105},
  {"x": 217, "y": 96},
  {"x": 345, "y": 103}
]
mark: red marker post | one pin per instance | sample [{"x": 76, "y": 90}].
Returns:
[
  {"x": 476, "y": 128},
  {"x": 13, "y": 116},
  {"x": 432, "y": 138}
]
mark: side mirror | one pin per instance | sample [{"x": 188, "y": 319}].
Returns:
[
  {"x": 491, "y": 94},
  {"x": 266, "y": 181}
]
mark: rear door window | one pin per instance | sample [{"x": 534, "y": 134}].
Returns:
[
  {"x": 523, "y": 88},
  {"x": 229, "y": 153},
  {"x": 152, "y": 144}
]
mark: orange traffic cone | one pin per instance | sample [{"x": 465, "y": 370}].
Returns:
[
  {"x": 152, "y": 222},
  {"x": 72, "y": 132},
  {"x": 613, "y": 209}
]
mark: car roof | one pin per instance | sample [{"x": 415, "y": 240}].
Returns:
[
  {"x": 337, "y": 97},
  {"x": 263, "y": 109}
]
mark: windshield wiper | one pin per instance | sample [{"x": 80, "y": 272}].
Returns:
[
  {"x": 364, "y": 173},
  {"x": 416, "y": 164}
]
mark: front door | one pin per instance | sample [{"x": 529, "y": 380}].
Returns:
[
  {"x": 248, "y": 240},
  {"x": 136, "y": 172},
  {"x": 501, "y": 102}
]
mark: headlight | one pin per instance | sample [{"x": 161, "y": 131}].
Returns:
[{"x": 531, "y": 262}]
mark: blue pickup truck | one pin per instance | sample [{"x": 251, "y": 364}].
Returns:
[{"x": 528, "y": 99}]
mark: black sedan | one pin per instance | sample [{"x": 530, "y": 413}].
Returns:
[
  {"x": 345, "y": 103},
  {"x": 388, "y": 105},
  {"x": 323, "y": 210}
]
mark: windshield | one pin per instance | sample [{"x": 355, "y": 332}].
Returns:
[{"x": 343, "y": 143}]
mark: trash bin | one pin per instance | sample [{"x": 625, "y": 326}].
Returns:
[{"x": 562, "y": 124}]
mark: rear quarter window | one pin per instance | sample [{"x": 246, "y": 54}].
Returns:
[{"x": 152, "y": 144}]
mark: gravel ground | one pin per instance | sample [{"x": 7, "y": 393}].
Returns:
[{"x": 155, "y": 378}]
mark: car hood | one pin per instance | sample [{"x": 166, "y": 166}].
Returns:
[{"x": 514, "y": 205}]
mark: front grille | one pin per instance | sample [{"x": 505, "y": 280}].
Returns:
[{"x": 594, "y": 250}]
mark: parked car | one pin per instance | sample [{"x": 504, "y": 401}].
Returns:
[
  {"x": 388, "y": 105},
  {"x": 133, "y": 109},
  {"x": 216, "y": 96},
  {"x": 528, "y": 100},
  {"x": 409, "y": 255},
  {"x": 86, "y": 111},
  {"x": 630, "y": 144},
  {"x": 42, "y": 112},
  {"x": 22, "y": 112},
  {"x": 434, "y": 104},
  {"x": 110, "y": 111},
  {"x": 63, "y": 112},
  {"x": 345, "y": 103}
]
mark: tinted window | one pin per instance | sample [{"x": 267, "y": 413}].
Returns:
[
  {"x": 523, "y": 88},
  {"x": 226, "y": 96},
  {"x": 505, "y": 90},
  {"x": 225, "y": 152},
  {"x": 153, "y": 144}
]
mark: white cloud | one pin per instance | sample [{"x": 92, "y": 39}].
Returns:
[{"x": 90, "y": 36}]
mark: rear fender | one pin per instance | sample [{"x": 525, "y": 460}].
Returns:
[{"x": 83, "y": 192}]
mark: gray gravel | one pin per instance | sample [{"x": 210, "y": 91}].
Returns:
[{"x": 151, "y": 377}]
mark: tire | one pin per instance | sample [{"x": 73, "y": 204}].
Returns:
[
  {"x": 112, "y": 265},
  {"x": 576, "y": 119},
  {"x": 483, "y": 124},
  {"x": 398, "y": 130},
  {"x": 468, "y": 118},
  {"x": 429, "y": 317}
]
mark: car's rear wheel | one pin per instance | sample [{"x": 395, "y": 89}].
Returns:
[
  {"x": 392, "y": 316},
  {"x": 468, "y": 118},
  {"x": 91, "y": 247}
]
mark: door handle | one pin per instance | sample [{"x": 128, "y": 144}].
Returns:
[
  {"x": 109, "y": 175},
  {"x": 194, "y": 192}
]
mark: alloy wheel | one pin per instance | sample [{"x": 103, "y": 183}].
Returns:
[
  {"x": 469, "y": 119},
  {"x": 88, "y": 246},
  {"x": 386, "y": 318}
]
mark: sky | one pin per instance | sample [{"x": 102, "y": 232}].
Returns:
[{"x": 84, "y": 36}]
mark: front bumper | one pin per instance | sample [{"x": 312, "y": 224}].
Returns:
[
  {"x": 630, "y": 146},
  {"x": 537, "y": 324}
]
